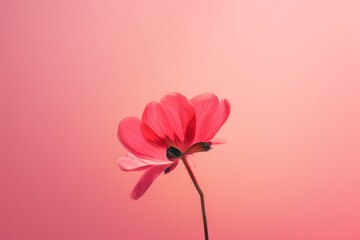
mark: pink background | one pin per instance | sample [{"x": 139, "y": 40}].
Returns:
[{"x": 71, "y": 70}]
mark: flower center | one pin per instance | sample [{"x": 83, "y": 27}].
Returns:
[{"x": 173, "y": 153}]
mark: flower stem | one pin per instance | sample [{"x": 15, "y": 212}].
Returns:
[{"x": 202, "y": 199}]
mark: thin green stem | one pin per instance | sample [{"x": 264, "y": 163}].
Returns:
[{"x": 202, "y": 199}]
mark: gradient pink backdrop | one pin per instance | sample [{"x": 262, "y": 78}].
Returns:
[{"x": 71, "y": 70}]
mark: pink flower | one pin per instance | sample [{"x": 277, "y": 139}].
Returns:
[{"x": 168, "y": 131}]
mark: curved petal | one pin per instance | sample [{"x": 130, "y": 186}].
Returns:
[
  {"x": 130, "y": 135},
  {"x": 155, "y": 118},
  {"x": 210, "y": 115},
  {"x": 146, "y": 180},
  {"x": 132, "y": 163},
  {"x": 173, "y": 120}
]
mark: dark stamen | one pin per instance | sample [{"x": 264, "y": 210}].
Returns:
[
  {"x": 199, "y": 147},
  {"x": 173, "y": 153},
  {"x": 167, "y": 170}
]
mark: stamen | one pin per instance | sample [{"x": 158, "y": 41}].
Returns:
[
  {"x": 168, "y": 169},
  {"x": 173, "y": 153},
  {"x": 199, "y": 147}
]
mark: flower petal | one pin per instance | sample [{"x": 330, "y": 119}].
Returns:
[
  {"x": 155, "y": 118},
  {"x": 130, "y": 135},
  {"x": 146, "y": 180},
  {"x": 210, "y": 115},
  {"x": 132, "y": 163},
  {"x": 173, "y": 119}
]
